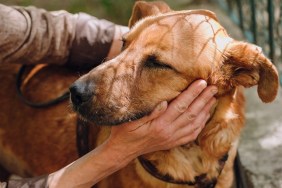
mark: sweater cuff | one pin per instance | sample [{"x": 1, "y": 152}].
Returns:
[{"x": 40, "y": 181}]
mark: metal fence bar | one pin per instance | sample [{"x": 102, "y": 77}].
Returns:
[
  {"x": 270, "y": 29},
  {"x": 240, "y": 13},
  {"x": 253, "y": 20}
]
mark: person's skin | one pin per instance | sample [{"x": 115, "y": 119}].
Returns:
[
  {"x": 117, "y": 41},
  {"x": 167, "y": 126}
]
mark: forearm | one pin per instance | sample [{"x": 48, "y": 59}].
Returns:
[
  {"x": 31, "y": 36},
  {"x": 85, "y": 171},
  {"x": 91, "y": 168}
]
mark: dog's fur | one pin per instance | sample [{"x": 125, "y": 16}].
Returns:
[{"x": 163, "y": 53}]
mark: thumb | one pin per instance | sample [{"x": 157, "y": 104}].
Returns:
[{"x": 158, "y": 110}]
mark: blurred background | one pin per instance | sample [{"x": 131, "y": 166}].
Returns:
[{"x": 117, "y": 11}]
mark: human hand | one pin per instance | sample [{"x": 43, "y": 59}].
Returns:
[{"x": 167, "y": 126}]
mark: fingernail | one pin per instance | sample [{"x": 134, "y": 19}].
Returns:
[
  {"x": 203, "y": 83},
  {"x": 162, "y": 106},
  {"x": 214, "y": 91}
]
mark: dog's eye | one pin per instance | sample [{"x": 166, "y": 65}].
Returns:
[{"x": 152, "y": 62}]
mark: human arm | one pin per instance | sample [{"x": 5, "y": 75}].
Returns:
[{"x": 31, "y": 35}]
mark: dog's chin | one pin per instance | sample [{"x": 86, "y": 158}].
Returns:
[
  {"x": 109, "y": 121},
  {"x": 102, "y": 118}
]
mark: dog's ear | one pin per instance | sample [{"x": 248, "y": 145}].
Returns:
[
  {"x": 248, "y": 66},
  {"x": 143, "y": 9}
]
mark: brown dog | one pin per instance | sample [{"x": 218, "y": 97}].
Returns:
[{"x": 163, "y": 53}]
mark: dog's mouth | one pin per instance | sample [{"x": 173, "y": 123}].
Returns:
[{"x": 107, "y": 116}]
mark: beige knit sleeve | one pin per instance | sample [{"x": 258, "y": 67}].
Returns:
[{"x": 30, "y": 35}]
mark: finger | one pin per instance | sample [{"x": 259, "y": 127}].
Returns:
[
  {"x": 202, "y": 122},
  {"x": 183, "y": 131},
  {"x": 190, "y": 115},
  {"x": 193, "y": 132},
  {"x": 188, "y": 138},
  {"x": 210, "y": 105},
  {"x": 197, "y": 106},
  {"x": 159, "y": 109},
  {"x": 202, "y": 118},
  {"x": 181, "y": 103}
]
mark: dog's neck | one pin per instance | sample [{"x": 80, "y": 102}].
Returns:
[{"x": 197, "y": 159}]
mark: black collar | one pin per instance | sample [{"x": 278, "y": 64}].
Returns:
[
  {"x": 200, "y": 180},
  {"x": 151, "y": 169}
]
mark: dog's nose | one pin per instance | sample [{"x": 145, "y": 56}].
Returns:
[{"x": 80, "y": 92}]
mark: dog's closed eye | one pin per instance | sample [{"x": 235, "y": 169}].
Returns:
[{"x": 152, "y": 62}]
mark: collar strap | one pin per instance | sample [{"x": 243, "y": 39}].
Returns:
[
  {"x": 151, "y": 169},
  {"x": 82, "y": 136},
  {"x": 200, "y": 180},
  {"x": 19, "y": 83}
]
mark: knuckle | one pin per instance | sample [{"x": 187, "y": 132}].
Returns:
[
  {"x": 206, "y": 99},
  {"x": 190, "y": 116},
  {"x": 181, "y": 107}
]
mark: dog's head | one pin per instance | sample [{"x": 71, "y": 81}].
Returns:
[{"x": 163, "y": 53}]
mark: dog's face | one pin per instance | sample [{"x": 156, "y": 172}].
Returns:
[{"x": 162, "y": 55}]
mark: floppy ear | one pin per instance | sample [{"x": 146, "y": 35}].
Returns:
[
  {"x": 143, "y": 9},
  {"x": 248, "y": 66}
]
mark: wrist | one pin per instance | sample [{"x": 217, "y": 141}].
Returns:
[
  {"x": 91, "y": 168},
  {"x": 119, "y": 154},
  {"x": 117, "y": 41}
]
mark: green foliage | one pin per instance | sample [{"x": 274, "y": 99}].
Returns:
[{"x": 117, "y": 11}]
